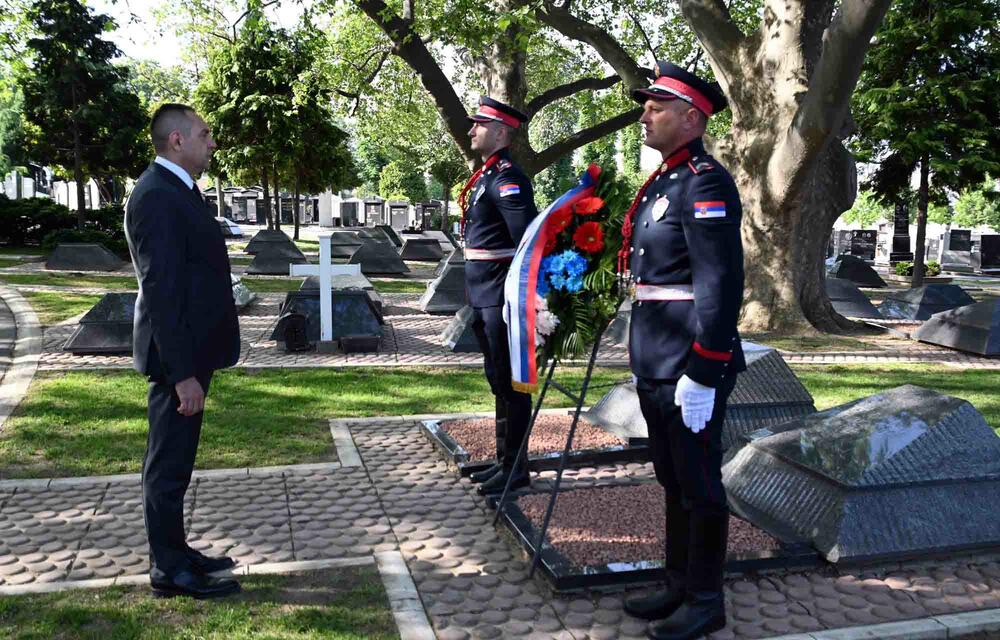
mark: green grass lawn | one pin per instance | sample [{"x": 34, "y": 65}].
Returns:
[
  {"x": 21, "y": 251},
  {"x": 70, "y": 280},
  {"x": 8, "y": 262},
  {"x": 272, "y": 285},
  {"x": 805, "y": 344},
  {"x": 94, "y": 423},
  {"x": 340, "y": 604},
  {"x": 834, "y": 385},
  {"x": 399, "y": 286},
  {"x": 53, "y": 307}
]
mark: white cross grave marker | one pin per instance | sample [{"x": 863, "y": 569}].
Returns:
[{"x": 325, "y": 270}]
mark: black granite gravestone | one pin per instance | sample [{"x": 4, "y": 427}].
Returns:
[
  {"x": 107, "y": 328},
  {"x": 266, "y": 236},
  {"x": 354, "y": 314},
  {"x": 923, "y": 302},
  {"x": 848, "y": 301},
  {"x": 421, "y": 249},
  {"x": 902, "y": 473},
  {"x": 957, "y": 252},
  {"x": 618, "y": 328},
  {"x": 766, "y": 393},
  {"x": 974, "y": 328},
  {"x": 989, "y": 253},
  {"x": 378, "y": 258},
  {"x": 856, "y": 270},
  {"x": 343, "y": 244},
  {"x": 227, "y": 231},
  {"x": 82, "y": 256},
  {"x": 455, "y": 257},
  {"x": 391, "y": 234},
  {"x": 445, "y": 240},
  {"x": 458, "y": 335},
  {"x": 343, "y": 283},
  {"x": 863, "y": 244},
  {"x": 273, "y": 260},
  {"x": 446, "y": 293},
  {"x": 901, "y": 235}
]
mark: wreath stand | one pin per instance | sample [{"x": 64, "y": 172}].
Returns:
[{"x": 522, "y": 452}]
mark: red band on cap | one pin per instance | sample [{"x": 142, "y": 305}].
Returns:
[
  {"x": 694, "y": 96},
  {"x": 496, "y": 114},
  {"x": 720, "y": 356}
]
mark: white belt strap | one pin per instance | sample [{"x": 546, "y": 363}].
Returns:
[
  {"x": 489, "y": 254},
  {"x": 664, "y": 292}
]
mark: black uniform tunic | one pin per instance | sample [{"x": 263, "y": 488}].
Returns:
[{"x": 686, "y": 231}]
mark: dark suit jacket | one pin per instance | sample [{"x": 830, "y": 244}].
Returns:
[{"x": 185, "y": 318}]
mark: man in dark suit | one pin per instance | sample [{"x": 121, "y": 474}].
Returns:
[{"x": 185, "y": 328}]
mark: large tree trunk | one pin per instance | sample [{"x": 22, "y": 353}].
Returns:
[
  {"x": 444, "y": 211},
  {"x": 923, "y": 201},
  {"x": 295, "y": 207},
  {"x": 267, "y": 201},
  {"x": 277, "y": 200},
  {"x": 81, "y": 200}
]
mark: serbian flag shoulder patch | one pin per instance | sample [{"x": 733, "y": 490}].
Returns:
[
  {"x": 509, "y": 190},
  {"x": 710, "y": 209}
]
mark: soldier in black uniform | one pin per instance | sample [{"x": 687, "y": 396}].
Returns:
[
  {"x": 497, "y": 205},
  {"x": 683, "y": 246}
]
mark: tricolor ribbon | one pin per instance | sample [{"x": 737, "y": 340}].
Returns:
[{"x": 522, "y": 283}]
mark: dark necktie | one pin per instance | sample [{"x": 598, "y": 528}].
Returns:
[{"x": 197, "y": 191}]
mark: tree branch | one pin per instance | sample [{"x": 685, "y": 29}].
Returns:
[
  {"x": 408, "y": 46},
  {"x": 638, "y": 25},
  {"x": 565, "y": 90},
  {"x": 718, "y": 35},
  {"x": 825, "y": 105},
  {"x": 560, "y": 19},
  {"x": 546, "y": 157}
]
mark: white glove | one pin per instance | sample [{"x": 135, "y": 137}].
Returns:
[{"x": 696, "y": 402}]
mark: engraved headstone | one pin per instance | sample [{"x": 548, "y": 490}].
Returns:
[
  {"x": 446, "y": 293},
  {"x": 107, "y": 328},
  {"x": 905, "y": 472},
  {"x": 766, "y": 393},
  {"x": 458, "y": 335},
  {"x": 901, "y": 235},
  {"x": 863, "y": 244},
  {"x": 921, "y": 303},
  {"x": 848, "y": 301},
  {"x": 856, "y": 270},
  {"x": 421, "y": 249},
  {"x": 974, "y": 328},
  {"x": 82, "y": 256},
  {"x": 378, "y": 258},
  {"x": 374, "y": 211},
  {"x": 957, "y": 251},
  {"x": 989, "y": 249}
]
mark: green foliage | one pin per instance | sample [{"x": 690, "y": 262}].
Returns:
[
  {"x": 402, "y": 181},
  {"x": 931, "y": 269},
  {"x": 928, "y": 90},
  {"x": 155, "y": 84},
  {"x": 79, "y": 112},
  {"x": 47, "y": 223},
  {"x": 867, "y": 210},
  {"x": 11, "y": 124},
  {"x": 978, "y": 205}
]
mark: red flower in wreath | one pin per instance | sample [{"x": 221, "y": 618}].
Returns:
[
  {"x": 588, "y": 206},
  {"x": 550, "y": 245},
  {"x": 558, "y": 221},
  {"x": 589, "y": 237}
]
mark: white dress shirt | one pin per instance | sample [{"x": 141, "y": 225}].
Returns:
[{"x": 176, "y": 169}]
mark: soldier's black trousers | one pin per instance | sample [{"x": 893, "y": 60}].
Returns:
[
  {"x": 688, "y": 465},
  {"x": 491, "y": 332},
  {"x": 166, "y": 473}
]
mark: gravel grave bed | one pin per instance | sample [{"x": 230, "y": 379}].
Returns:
[
  {"x": 592, "y": 527},
  {"x": 477, "y": 436}
]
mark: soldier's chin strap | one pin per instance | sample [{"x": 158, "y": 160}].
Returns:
[
  {"x": 463, "y": 198},
  {"x": 627, "y": 225}
]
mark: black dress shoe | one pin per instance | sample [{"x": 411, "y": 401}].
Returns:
[
  {"x": 655, "y": 606},
  {"x": 204, "y": 564},
  {"x": 486, "y": 474},
  {"x": 700, "y": 615},
  {"x": 496, "y": 484},
  {"x": 191, "y": 584}
]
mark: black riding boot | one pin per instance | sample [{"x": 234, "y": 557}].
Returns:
[
  {"x": 662, "y": 603},
  {"x": 704, "y": 607},
  {"x": 501, "y": 432},
  {"x": 518, "y": 416}
]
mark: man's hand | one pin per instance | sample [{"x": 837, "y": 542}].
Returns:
[
  {"x": 696, "y": 402},
  {"x": 191, "y": 395}
]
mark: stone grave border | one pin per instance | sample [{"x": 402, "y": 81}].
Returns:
[
  {"x": 457, "y": 456},
  {"x": 27, "y": 353},
  {"x": 566, "y": 577}
]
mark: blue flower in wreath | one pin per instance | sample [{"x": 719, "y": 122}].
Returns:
[{"x": 563, "y": 271}]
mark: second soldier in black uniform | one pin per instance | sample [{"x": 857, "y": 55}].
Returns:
[
  {"x": 683, "y": 244},
  {"x": 497, "y": 205}
]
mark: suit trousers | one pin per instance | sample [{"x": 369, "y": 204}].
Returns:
[
  {"x": 166, "y": 473},
  {"x": 688, "y": 465},
  {"x": 491, "y": 332}
]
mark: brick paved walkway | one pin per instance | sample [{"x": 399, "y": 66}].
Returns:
[{"x": 395, "y": 492}]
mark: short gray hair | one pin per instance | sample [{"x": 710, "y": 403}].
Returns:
[{"x": 168, "y": 118}]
